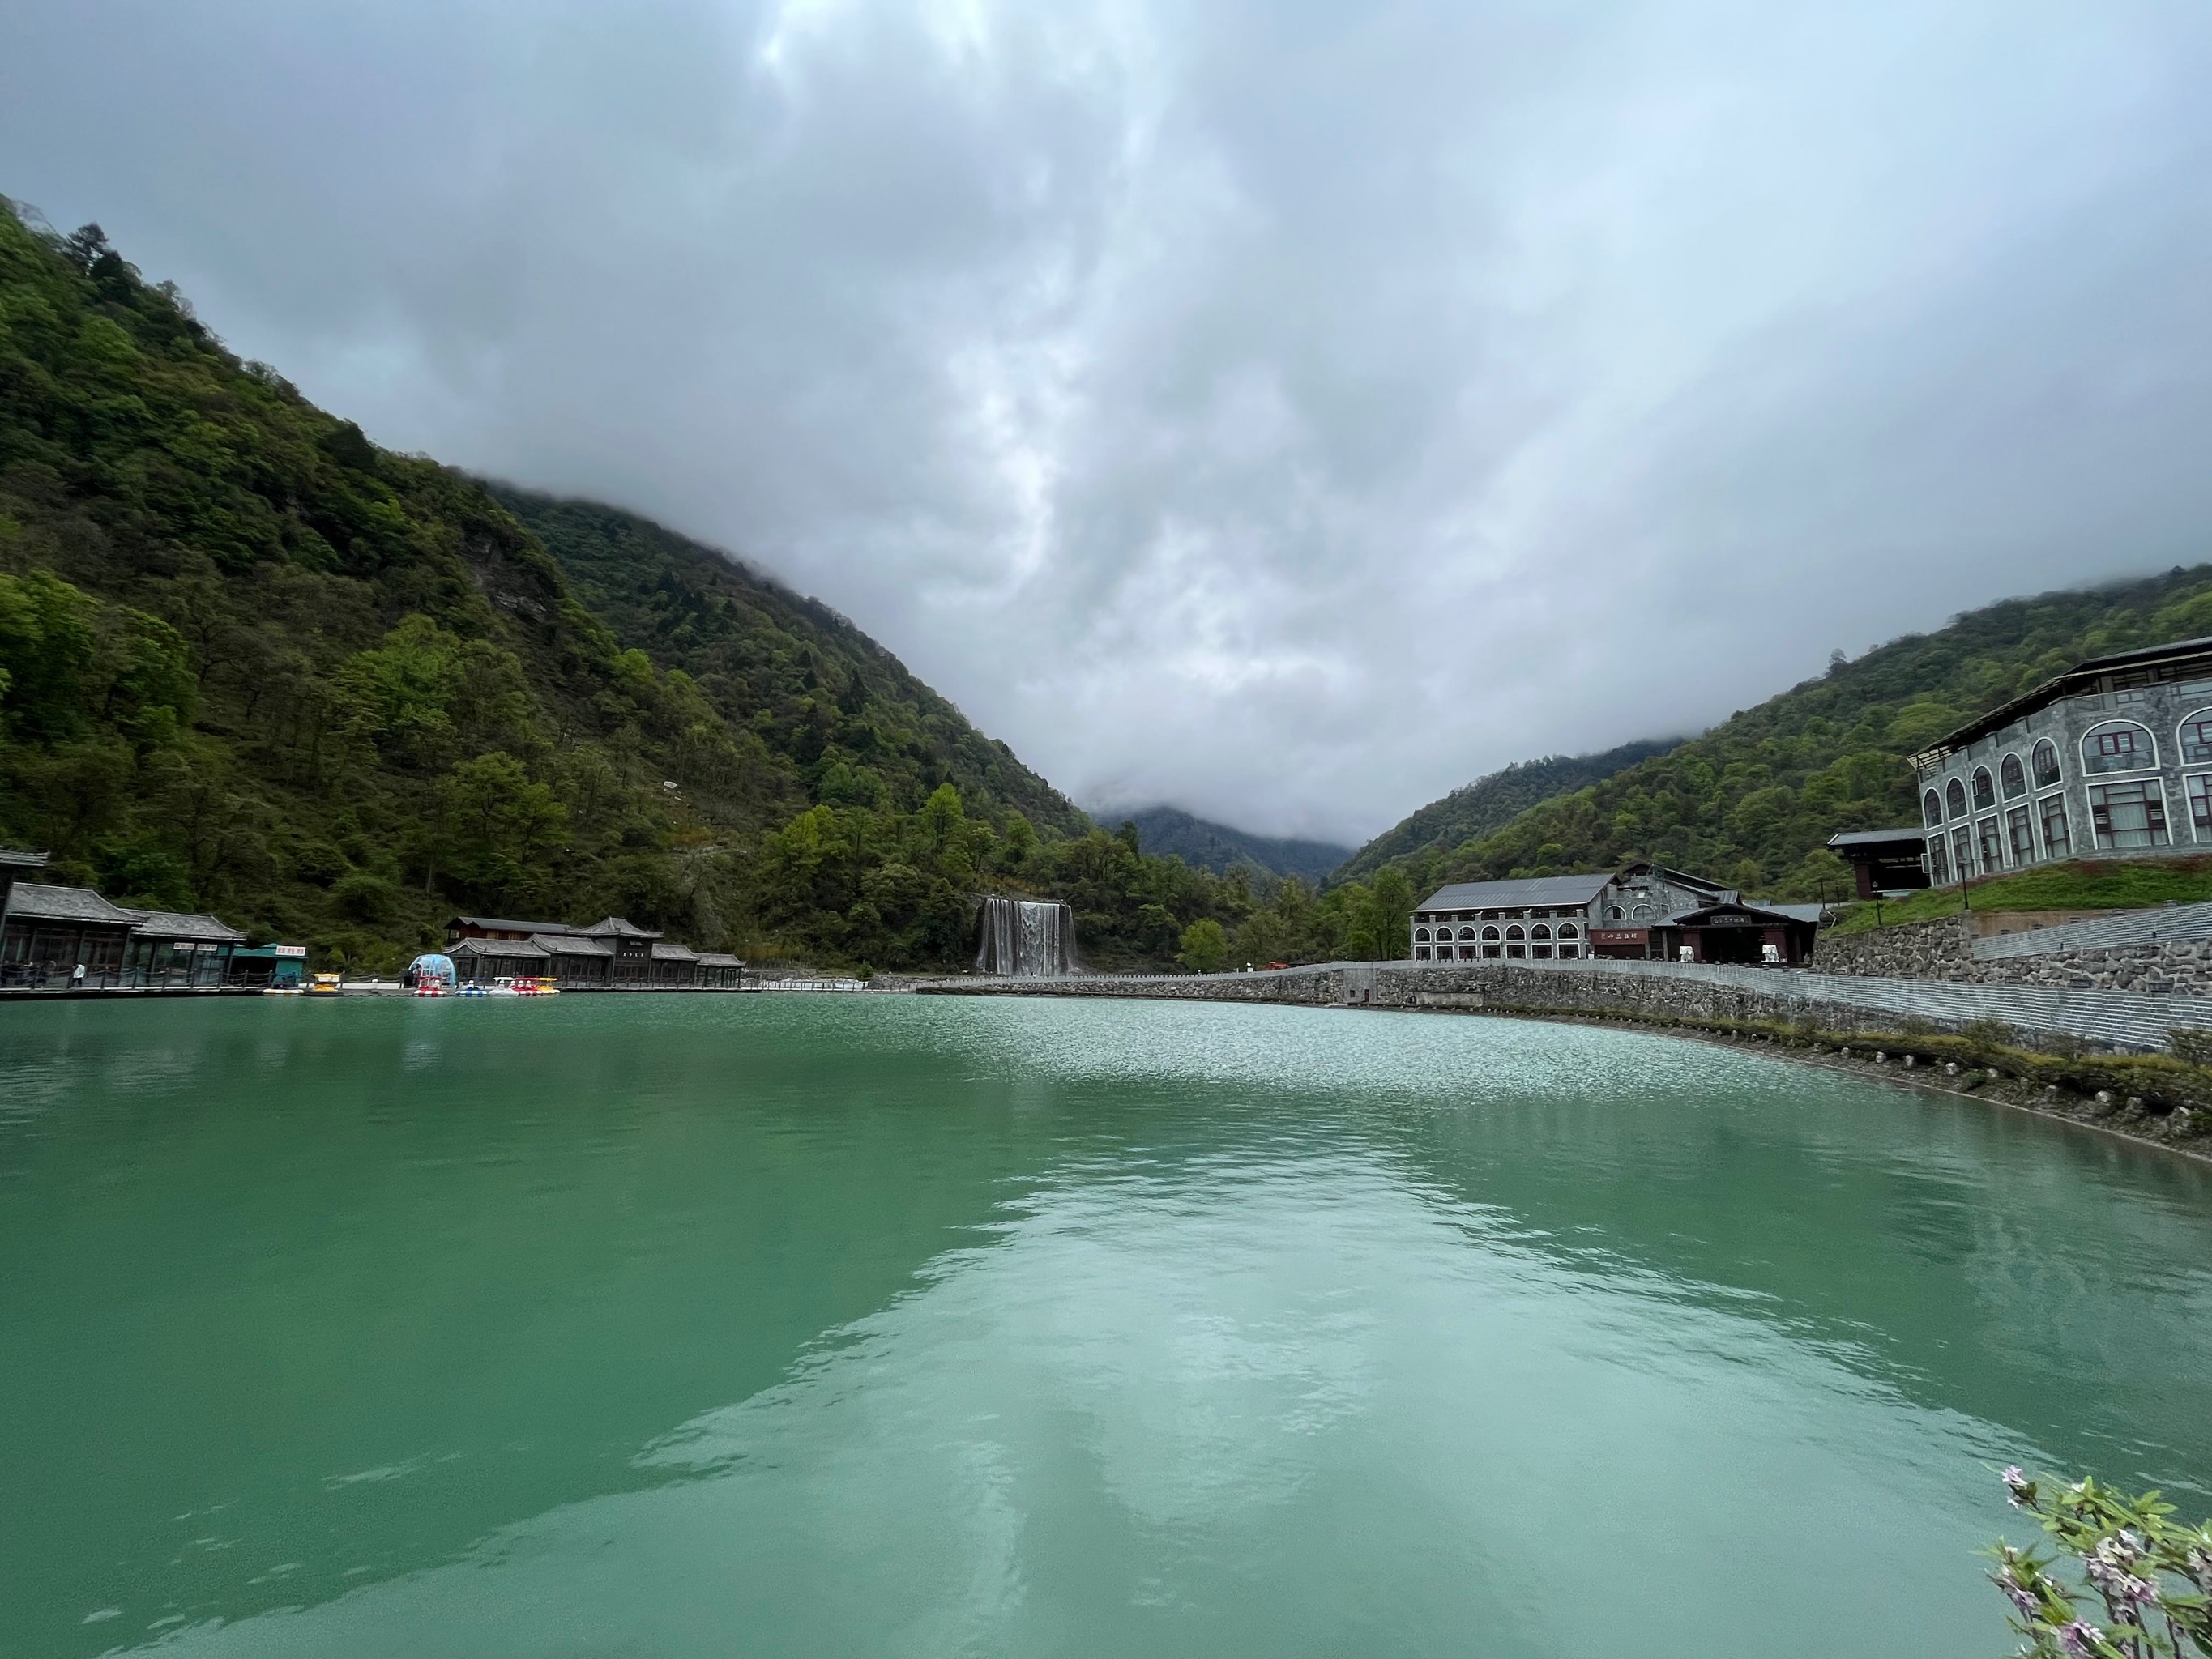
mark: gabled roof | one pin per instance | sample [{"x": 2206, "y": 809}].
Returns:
[
  {"x": 42, "y": 902},
  {"x": 621, "y": 927},
  {"x": 716, "y": 959},
  {"x": 171, "y": 924},
  {"x": 1516, "y": 895},
  {"x": 1802, "y": 912},
  {"x": 493, "y": 924},
  {"x": 665, "y": 952},
  {"x": 571, "y": 944}
]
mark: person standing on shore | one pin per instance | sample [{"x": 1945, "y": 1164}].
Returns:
[{"x": 77, "y": 977}]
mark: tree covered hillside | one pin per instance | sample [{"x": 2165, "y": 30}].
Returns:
[
  {"x": 1418, "y": 842},
  {"x": 252, "y": 664},
  {"x": 851, "y": 725},
  {"x": 1753, "y": 801}
]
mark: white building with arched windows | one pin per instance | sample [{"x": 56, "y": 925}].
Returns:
[{"x": 2111, "y": 759}]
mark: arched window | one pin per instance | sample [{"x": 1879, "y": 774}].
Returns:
[
  {"x": 1539, "y": 931},
  {"x": 2046, "y": 763},
  {"x": 1466, "y": 933},
  {"x": 1420, "y": 936},
  {"x": 2012, "y": 777},
  {"x": 1515, "y": 933},
  {"x": 1955, "y": 797},
  {"x": 1489, "y": 932},
  {"x": 1985, "y": 790},
  {"x": 2118, "y": 746},
  {"x": 1615, "y": 913},
  {"x": 1569, "y": 931},
  {"x": 2197, "y": 738},
  {"x": 1932, "y": 807},
  {"x": 1642, "y": 911}
]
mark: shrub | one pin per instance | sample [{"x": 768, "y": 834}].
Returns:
[{"x": 2152, "y": 1577}]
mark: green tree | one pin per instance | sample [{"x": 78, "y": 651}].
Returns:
[{"x": 1205, "y": 947}]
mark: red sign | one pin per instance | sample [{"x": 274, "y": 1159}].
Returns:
[{"x": 1619, "y": 935}]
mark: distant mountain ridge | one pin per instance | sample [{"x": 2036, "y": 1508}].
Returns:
[
  {"x": 1491, "y": 802},
  {"x": 1204, "y": 845}
]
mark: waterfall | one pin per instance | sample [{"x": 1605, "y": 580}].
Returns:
[{"x": 1026, "y": 937}]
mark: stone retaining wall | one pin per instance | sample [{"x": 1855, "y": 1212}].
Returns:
[
  {"x": 1912, "y": 950},
  {"x": 1945, "y": 950}
]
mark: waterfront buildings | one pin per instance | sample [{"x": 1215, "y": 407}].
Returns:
[
  {"x": 612, "y": 953},
  {"x": 48, "y": 930},
  {"x": 1645, "y": 911},
  {"x": 2111, "y": 759}
]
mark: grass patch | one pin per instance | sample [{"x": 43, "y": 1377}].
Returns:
[{"x": 2084, "y": 885}]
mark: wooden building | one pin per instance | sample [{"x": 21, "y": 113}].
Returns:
[
  {"x": 1884, "y": 861},
  {"x": 482, "y": 961},
  {"x": 14, "y": 862},
  {"x": 50, "y": 930},
  {"x": 170, "y": 949}
]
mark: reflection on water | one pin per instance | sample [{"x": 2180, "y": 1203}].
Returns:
[{"x": 900, "y": 1325}]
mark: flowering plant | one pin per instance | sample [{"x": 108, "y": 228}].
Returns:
[{"x": 2153, "y": 1577}]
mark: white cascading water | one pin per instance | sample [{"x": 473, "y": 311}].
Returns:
[{"x": 1028, "y": 938}]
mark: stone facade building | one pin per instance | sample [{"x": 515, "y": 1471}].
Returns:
[
  {"x": 1645, "y": 911},
  {"x": 2111, "y": 759}
]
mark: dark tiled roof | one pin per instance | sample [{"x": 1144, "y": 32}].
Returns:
[
  {"x": 666, "y": 952},
  {"x": 493, "y": 925},
  {"x": 2173, "y": 657},
  {"x": 571, "y": 944},
  {"x": 44, "y": 903},
  {"x": 1516, "y": 895},
  {"x": 171, "y": 924},
  {"x": 517, "y": 950},
  {"x": 15, "y": 858},
  {"x": 715, "y": 959},
  {"x": 607, "y": 926}
]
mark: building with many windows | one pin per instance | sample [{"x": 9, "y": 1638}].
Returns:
[
  {"x": 1645, "y": 912},
  {"x": 2111, "y": 759}
]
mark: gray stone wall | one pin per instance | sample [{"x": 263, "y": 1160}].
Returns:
[
  {"x": 1942, "y": 950},
  {"x": 1916, "y": 950}
]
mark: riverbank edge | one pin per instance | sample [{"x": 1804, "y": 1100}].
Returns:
[
  {"x": 2155, "y": 1101},
  {"x": 1859, "y": 1060}
]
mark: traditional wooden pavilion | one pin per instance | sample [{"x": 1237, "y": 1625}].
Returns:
[
  {"x": 481, "y": 961},
  {"x": 50, "y": 930},
  {"x": 170, "y": 948}
]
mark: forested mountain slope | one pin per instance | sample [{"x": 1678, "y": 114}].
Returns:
[
  {"x": 251, "y": 663},
  {"x": 1488, "y": 804},
  {"x": 1204, "y": 845},
  {"x": 850, "y": 724},
  {"x": 1752, "y": 801}
]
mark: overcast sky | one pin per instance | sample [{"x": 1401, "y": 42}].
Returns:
[{"x": 1285, "y": 411}]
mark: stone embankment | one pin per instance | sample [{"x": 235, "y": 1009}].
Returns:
[
  {"x": 2158, "y": 952},
  {"x": 2044, "y": 1016}
]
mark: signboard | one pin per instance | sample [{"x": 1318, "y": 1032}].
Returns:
[
  {"x": 289, "y": 949},
  {"x": 1619, "y": 935}
]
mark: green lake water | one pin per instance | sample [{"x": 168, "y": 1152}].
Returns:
[{"x": 910, "y": 1326}]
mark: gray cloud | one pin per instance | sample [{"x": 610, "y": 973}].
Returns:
[{"x": 1289, "y": 410}]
